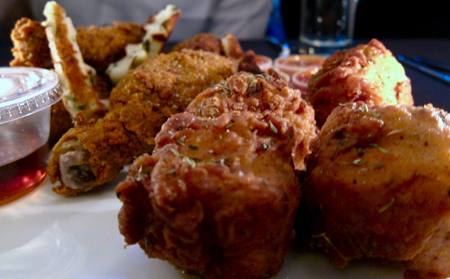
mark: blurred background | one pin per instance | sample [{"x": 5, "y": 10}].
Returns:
[
  {"x": 246, "y": 19},
  {"x": 383, "y": 19}
]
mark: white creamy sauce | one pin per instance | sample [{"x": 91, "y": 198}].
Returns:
[{"x": 137, "y": 53}]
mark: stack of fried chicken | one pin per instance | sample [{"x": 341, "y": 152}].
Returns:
[{"x": 227, "y": 161}]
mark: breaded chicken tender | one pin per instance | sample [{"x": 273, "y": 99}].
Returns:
[
  {"x": 93, "y": 153},
  {"x": 265, "y": 95},
  {"x": 367, "y": 73},
  {"x": 378, "y": 184},
  {"x": 218, "y": 196}
]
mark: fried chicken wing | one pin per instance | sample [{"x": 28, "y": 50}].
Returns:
[
  {"x": 158, "y": 29},
  {"x": 368, "y": 73},
  {"x": 227, "y": 46},
  {"x": 30, "y": 45},
  {"x": 140, "y": 104},
  {"x": 99, "y": 46},
  {"x": 217, "y": 197},
  {"x": 265, "y": 95},
  {"x": 202, "y": 41},
  {"x": 377, "y": 186}
]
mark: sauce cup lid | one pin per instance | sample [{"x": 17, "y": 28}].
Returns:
[{"x": 26, "y": 90}]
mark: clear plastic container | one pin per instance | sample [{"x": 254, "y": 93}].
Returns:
[{"x": 26, "y": 95}]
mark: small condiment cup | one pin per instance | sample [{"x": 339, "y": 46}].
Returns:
[
  {"x": 264, "y": 62},
  {"x": 298, "y": 62},
  {"x": 301, "y": 78},
  {"x": 26, "y": 95}
]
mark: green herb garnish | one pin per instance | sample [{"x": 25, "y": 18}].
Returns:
[
  {"x": 230, "y": 125},
  {"x": 385, "y": 207},
  {"x": 272, "y": 127}
]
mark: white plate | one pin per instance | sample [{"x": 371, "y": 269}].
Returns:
[{"x": 44, "y": 235}]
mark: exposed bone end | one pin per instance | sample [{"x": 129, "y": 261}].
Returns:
[{"x": 76, "y": 174}]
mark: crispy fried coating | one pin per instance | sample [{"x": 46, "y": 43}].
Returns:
[
  {"x": 217, "y": 197},
  {"x": 60, "y": 122},
  {"x": 377, "y": 186},
  {"x": 101, "y": 46},
  {"x": 265, "y": 95},
  {"x": 30, "y": 45},
  {"x": 140, "y": 104},
  {"x": 368, "y": 73},
  {"x": 228, "y": 46},
  {"x": 202, "y": 41}
]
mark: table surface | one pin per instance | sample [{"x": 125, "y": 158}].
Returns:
[{"x": 424, "y": 88}]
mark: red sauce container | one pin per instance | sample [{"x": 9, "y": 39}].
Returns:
[
  {"x": 299, "y": 68},
  {"x": 26, "y": 95},
  {"x": 301, "y": 78}
]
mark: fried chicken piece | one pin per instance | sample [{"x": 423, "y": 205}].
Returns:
[
  {"x": 99, "y": 46},
  {"x": 203, "y": 41},
  {"x": 368, "y": 73},
  {"x": 248, "y": 63},
  {"x": 140, "y": 104},
  {"x": 228, "y": 46},
  {"x": 217, "y": 197},
  {"x": 60, "y": 122},
  {"x": 75, "y": 76},
  {"x": 377, "y": 186},
  {"x": 265, "y": 95},
  {"x": 158, "y": 29},
  {"x": 30, "y": 45}
]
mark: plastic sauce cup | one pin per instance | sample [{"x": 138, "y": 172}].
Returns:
[
  {"x": 301, "y": 78},
  {"x": 26, "y": 95},
  {"x": 298, "y": 62},
  {"x": 264, "y": 62}
]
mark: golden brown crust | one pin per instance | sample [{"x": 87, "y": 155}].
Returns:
[
  {"x": 80, "y": 96},
  {"x": 203, "y": 41},
  {"x": 101, "y": 46},
  {"x": 211, "y": 199},
  {"x": 60, "y": 122},
  {"x": 30, "y": 45},
  {"x": 265, "y": 95},
  {"x": 140, "y": 104},
  {"x": 379, "y": 181},
  {"x": 367, "y": 73}
]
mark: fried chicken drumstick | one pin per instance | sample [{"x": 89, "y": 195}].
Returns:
[
  {"x": 217, "y": 197},
  {"x": 367, "y": 73},
  {"x": 93, "y": 153},
  {"x": 219, "y": 192},
  {"x": 377, "y": 186}
]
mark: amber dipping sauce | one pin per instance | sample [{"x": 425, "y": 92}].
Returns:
[{"x": 22, "y": 176}]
